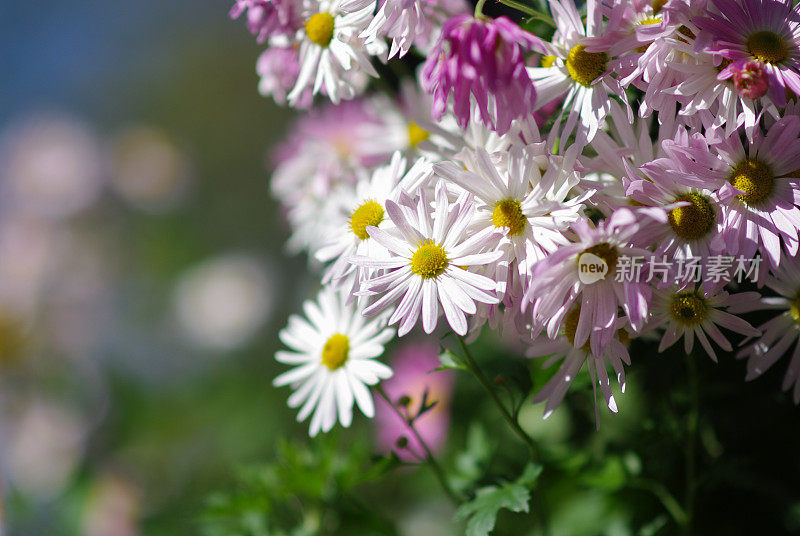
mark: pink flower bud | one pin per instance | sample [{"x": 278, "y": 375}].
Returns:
[{"x": 751, "y": 80}]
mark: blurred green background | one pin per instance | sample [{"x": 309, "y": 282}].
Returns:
[{"x": 115, "y": 398}]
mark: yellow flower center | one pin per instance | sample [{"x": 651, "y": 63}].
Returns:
[
  {"x": 430, "y": 260},
  {"x": 692, "y": 221},
  {"x": 624, "y": 337},
  {"x": 368, "y": 213},
  {"x": 416, "y": 134},
  {"x": 767, "y": 46},
  {"x": 547, "y": 61},
  {"x": 508, "y": 213},
  {"x": 334, "y": 353},
  {"x": 794, "y": 310},
  {"x": 688, "y": 308},
  {"x": 585, "y": 67},
  {"x": 754, "y": 178},
  {"x": 649, "y": 20},
  {"x": 605, "y": 251},
  {"x": 570, "y": 325},
  {"x": 319, "y": 29}
]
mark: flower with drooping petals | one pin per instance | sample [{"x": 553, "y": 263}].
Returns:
[
  {"x": 481, "y": 61},
  {"x": 572, "y": 359},
  {"x": 559, "y": 281}
]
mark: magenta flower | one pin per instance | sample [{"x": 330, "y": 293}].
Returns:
[
  {"x": 268, "y": 17},
  {"x": 751, "y": 80},
  {"x": 412, "y": 366},
  {"x": 278, "y": 68},
  {"x": 484, "y": 61}
]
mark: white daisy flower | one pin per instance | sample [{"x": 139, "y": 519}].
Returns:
[
  {"x": 368, "y": 209},
  {"x": 333, "y": 352},
  {"x": 570, "y": 68},
  {"x": 412, "y": 128},
  {"x": 331, "y": 51},
  {"x": 531, "y": 208},
  {"x": 429, "y": 262}
]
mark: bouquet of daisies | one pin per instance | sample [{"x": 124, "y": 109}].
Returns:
[{"x": 572, "y": 177}]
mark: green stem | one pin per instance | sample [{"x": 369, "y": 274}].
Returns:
[
  {"x": 528, "y": 10},
  {"x": 429, "y": 458},
  {"x": 479, "y": 8},
  {"x": 667, "y": 499},
  {"x": 484, "y": 381},
  {"x": 691, "y": 443}
]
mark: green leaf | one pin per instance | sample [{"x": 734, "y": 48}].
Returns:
[
  {"x": 610, "y": 476},
  {"x": 470, "y": 462},
  {"x": 449, "y": 362},
  {"x": 652, "y": 528},
  {"x": 481, "y": 512},
  {"x": 426, "y": 405},
  {"x": 529, "y": 475}
]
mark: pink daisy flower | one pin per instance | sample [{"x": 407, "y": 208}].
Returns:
[
  {"x": 685, "y": 311},
  {"x": 632, "y": 26},
  {"x": 763, "y": 30},
  {"x": 695, "y": 225},
  {"x": 563, "y": 280},
  {"x": 780, "y": 333},
  {"x": 572, "y": 357},
  {"x": 765, "y": 177},
  {"x": 657, "y": 65}
]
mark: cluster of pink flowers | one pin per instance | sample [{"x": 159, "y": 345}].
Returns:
[{"x": 506, "y": 183}]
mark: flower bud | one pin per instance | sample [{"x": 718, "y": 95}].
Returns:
[{"x": 751, "y": 80}]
